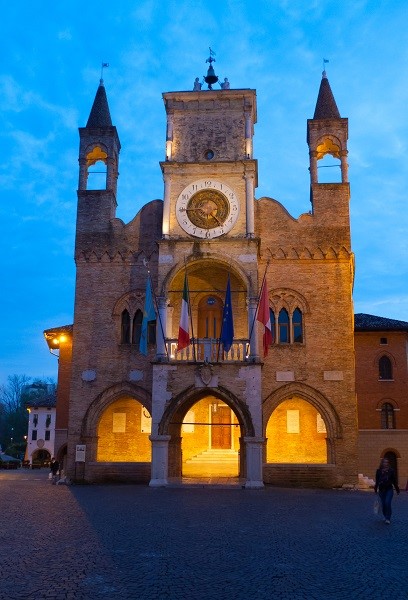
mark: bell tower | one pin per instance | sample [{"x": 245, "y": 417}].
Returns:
[
  {"x": 327, "y": 133},
  {"x": 209, "y": 171},
  {"x": 98, "y": 168}
]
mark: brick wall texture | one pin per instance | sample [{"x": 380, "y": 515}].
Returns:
[{"x": 309, "y": 266}]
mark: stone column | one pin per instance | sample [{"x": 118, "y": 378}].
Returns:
[
  {"x": 83, "y": 174},
  {"x": 160, "y": 460},
  {"x": 344, "y": 167},
  {"x": 248, "y": 135},
  {"x": 169, "y": 137},
  {"x": 166, "y": 207},
  {"x": 313, "y": 167},
  {"x": 249, "y": 196},
  {"x": 253, "y": 329},
  {"x": 254, "y": 462}
]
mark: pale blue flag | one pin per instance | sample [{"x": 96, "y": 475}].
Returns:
[{"x": 149, "y": 314}]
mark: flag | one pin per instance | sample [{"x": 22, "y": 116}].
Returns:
[
  {"x": 227, "y": 327},
  {"x": 149, "y": 314},
  {"x": 184, "y": 336},
  {"x": 263, "y": 316}
]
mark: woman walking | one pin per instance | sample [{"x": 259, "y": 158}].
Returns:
[{"x": 385, "y": 482}]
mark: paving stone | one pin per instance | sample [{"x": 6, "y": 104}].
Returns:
[{"x": 135, "y": 542}]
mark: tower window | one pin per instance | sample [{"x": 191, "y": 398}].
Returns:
[
  {"x": 297, "y": 326},
  {"x": 273, "y": 324},
  {"x": 387, "y": 416},
  {"x": 385, "y": 368},
  {"x": 283, "y": 326},
  {"x": 137, "y": 327},
  {"x": 97, "y": 169},
  {"x": 383, "y": 341},
  {"x": 209, "y": 155},
  {"x": 125, "y": 327}
]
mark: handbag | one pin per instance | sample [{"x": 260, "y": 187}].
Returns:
[
  {"x": 376, "y": 507},
  {"x": 50, "y": 475}
]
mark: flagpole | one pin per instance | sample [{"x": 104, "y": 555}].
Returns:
[
  {"x": 158, "y": 312},
  {"x": 159, "y": 315},
  {"x": 259, "y": 299},
  {"x": 189, "y": 311}
]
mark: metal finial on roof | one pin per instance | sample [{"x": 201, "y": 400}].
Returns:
[
  {"x": 103, "y": 66},
  {"x": 211, "y": 77},
  {"x": 324, "y": 76}
]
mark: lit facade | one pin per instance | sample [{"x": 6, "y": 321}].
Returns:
[{"x": 288, "y": 418}]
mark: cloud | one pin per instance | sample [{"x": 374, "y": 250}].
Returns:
[{"x": 65, "y": 35}]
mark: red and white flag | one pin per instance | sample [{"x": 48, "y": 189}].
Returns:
[
  {"x": 184, "y": 336},
  {"x": 264, "y": 316}
]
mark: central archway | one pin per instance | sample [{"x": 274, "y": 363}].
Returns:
[{"x": 206, "y": 428}]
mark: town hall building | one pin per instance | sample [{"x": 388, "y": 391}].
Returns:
[{"x": 283, "y": 415}]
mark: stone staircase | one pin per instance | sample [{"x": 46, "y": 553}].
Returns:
[{"x": 214, "y": 456}]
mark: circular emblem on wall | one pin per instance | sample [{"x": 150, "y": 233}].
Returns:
[{"x": 40, "y": 443}]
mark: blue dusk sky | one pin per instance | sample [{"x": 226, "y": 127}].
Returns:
[{"x": 51, "y": 54}]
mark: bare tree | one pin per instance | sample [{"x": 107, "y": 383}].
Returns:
[{"x": 11, "y": 394}]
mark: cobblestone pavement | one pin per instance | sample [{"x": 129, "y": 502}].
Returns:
[{"x": 134, "y": 542}]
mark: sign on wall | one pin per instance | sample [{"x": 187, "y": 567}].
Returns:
[
  {"x": 119, "y": 422},
  {"x": 80, "y": 453},
  {"x": 292, "y": 421}
]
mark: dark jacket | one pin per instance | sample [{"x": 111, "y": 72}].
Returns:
[
  {"x": 385, "y": 479},
  {"x": 54, "y": 467}
]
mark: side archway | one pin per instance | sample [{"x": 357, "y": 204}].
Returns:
[
  {"x": 295, "y": 397},
  {"x": 113, "y": 425}
]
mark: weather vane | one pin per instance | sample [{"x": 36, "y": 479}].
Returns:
[
  {"x": 103, "y": 66},
  {"x": 325, "y": 60}
]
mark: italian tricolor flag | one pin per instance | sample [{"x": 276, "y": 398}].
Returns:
[
  {"x": 184, "y": 336},
  {"x": 264, "y": 316}
]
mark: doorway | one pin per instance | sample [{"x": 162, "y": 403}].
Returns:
[
  {"x": 220, "y": 427},
  {"x": 210, "y": 317}
]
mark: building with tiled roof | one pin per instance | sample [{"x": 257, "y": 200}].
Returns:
[{"x": 381, "y": 349}]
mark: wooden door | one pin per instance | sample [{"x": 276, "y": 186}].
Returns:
[
  {"x": 221, "y": 428},
  {"x": 209, "y": 317}
]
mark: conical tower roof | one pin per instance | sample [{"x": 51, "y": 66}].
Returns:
[
  {"x": 326, "y": 107},
  {"x": 100, "y": 115}
]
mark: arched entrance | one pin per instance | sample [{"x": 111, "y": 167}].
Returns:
[
  {"x": 210, "y": 440},
  {"x": 392, "y": 459},
  {"x": 41, "y": 457},
  {"x": 186, "y": 441}
]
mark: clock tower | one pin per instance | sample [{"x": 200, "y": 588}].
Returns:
[{"x": 209, "y": 172}]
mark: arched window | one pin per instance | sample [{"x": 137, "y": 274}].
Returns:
[
  {"x": 137, "y": 327},
  {"x": 387, "y": 416},
  {"x": 125, "y": 328},
  {"x": 297, "y": 326},
  {"x": 385, "y": 368},
  {"x": 272, "y": 317},
  {"x": 283, "y": 326}
]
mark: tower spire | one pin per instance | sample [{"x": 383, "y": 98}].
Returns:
[
  {"x": 100, "y": 114},
  {"x": 326, "y": 107}
]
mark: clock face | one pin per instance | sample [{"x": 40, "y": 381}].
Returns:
[{"x": 207, "y": 209}]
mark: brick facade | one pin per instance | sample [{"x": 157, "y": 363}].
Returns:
[{"x": 309, "y": 265}]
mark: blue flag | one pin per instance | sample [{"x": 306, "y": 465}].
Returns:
[
  {"x": 149, "y": 314},
  {"x": 227, "y": 328}
]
